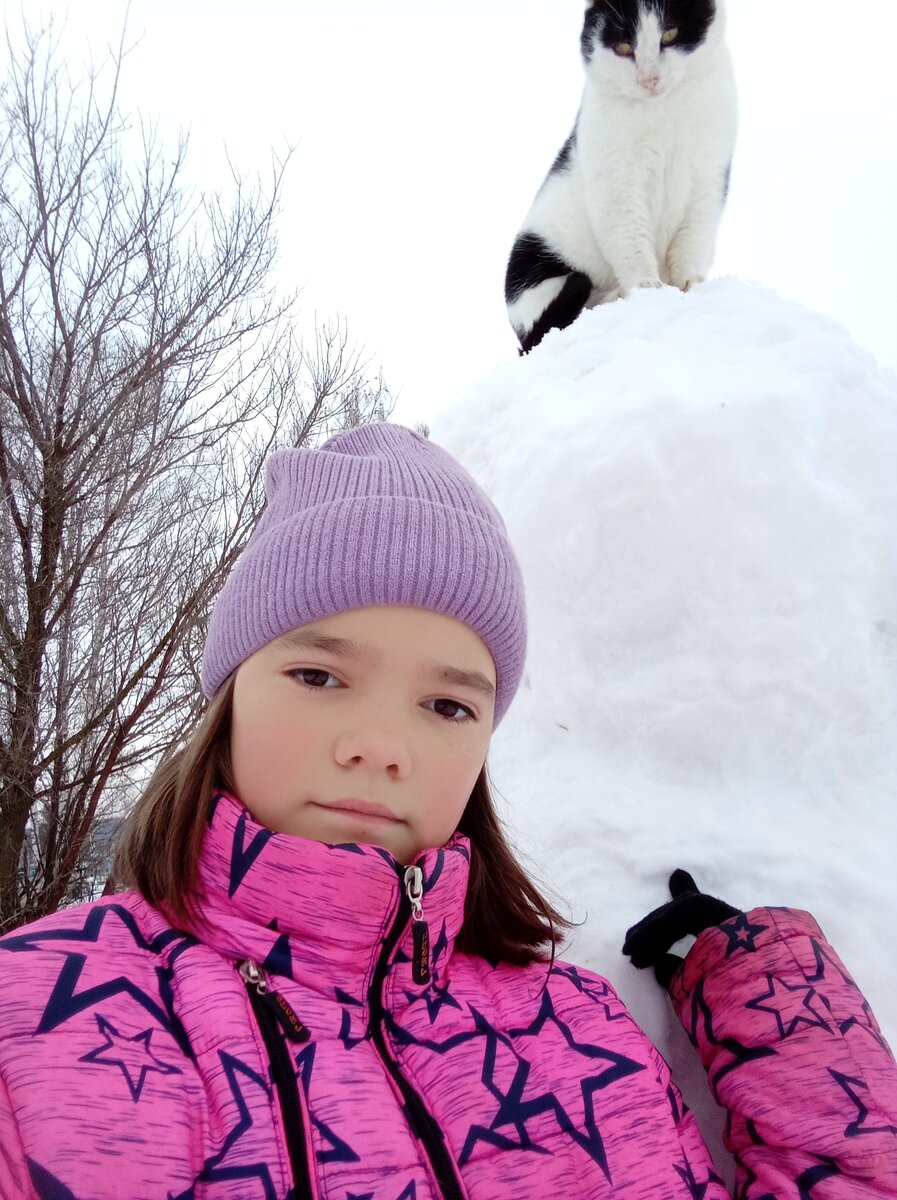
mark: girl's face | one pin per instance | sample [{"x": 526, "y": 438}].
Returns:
[{"x": 369, "y": 726}]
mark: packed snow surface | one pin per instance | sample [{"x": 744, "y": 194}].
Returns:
[{"x": 702, "y": 492}]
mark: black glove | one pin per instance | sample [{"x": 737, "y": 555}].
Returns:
[{"x": 689, "y": 911}]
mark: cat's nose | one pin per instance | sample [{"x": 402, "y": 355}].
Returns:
[{"x": 650, "y": 84}]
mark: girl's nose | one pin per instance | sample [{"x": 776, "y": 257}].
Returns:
[{"x": 378, "y": 749}]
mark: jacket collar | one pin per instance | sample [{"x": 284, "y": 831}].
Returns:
[{"x": 314, "y": 912}]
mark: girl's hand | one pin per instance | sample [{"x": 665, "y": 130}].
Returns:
[{"x": 689, "y": 912}]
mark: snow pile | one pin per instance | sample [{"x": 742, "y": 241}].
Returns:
[{"x": 702, "y": 490}]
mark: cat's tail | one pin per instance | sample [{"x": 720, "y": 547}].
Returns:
[{"x": 542, "y": 291}]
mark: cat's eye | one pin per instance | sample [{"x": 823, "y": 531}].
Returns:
[
  {"x": 669, "y": 36},
  {"x": 624, "y": 49}
]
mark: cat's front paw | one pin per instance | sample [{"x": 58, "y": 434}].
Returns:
[
  {"x": 647, "y": 283},
  {"x": 690, "y": 281}
]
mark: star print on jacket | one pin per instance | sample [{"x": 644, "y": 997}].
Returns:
[
  {"x": 490, "y": 1081},
  {"x": 102, "y": 925},
  {"x": 741, "y": 934},
  {"x": 46, "y": 1186},
  {"x": 796, "y": 998},
  {"x": 236, "y": 1158},
  {"x": 792, "y": 1006},
  {"x": 130, "y": 1054}
]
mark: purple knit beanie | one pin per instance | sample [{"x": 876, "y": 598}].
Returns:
[{"x": 377, "y": 515}]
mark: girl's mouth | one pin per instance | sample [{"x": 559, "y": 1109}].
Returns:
[{"x": 361, "y": 808}]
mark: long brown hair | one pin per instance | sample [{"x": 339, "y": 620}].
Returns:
[{"x": 506, "y": 918}]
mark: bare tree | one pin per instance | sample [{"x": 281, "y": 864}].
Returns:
[{"x": 145, "y": 370}]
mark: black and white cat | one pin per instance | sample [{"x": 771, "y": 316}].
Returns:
[{"x": 635, "y": 196}]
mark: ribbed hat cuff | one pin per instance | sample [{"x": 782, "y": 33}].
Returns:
[{"x": 401, "y": 551}]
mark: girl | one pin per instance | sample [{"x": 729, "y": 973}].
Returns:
[{"x": 332, "y": 980}]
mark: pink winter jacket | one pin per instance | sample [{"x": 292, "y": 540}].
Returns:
[{"x": 304, "y": 1041}]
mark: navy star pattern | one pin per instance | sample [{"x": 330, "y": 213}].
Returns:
[
  {"x": 597, "y": 991},
  {"x": 243, "y": 857},
  {"x": 337, "y": 1150},
  {"x": 741, "y": 1054},
  {"x": 827, "y": 965},
  {"x": 743, "y": 1190},
  {"x": 807, "y": 1016},
  {"x": 741, "y": 934},
  {"x": 226, "y": 1165},
  {"x": 435, "y": 995},
  {"x": 409, "y": 1192},
  {"x": 514, "y": 1108},
  {"x": 47, "y": 1186},
  {"x": 825, "y": 962},
  {"x": 851, "y": 1087},
  {"x": 130, "y": 1054},
  {"x": 279, "y": 960},
  {"x": 751, "y": 1129},
  {"x": 621, "y": 1066},
  {"x": 347, "y": 1002},
  {"x": 677, "y": 1107},
  {"x": 513, "y": 1100},
  {"x": 66, "y": 1001},
  {"x": 867, "y": 1024},
  {"x": 809, "y": 1179},
  {"x": 696, "y": 1190},
  {"x": 438, "y": 866},
  {"x": 513, "y": 1111}
]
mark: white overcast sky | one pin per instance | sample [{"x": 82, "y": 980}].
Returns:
[{"x": 422, "y": 128}]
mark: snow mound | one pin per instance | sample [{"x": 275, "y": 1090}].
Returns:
[{"x": 702, "y": 491}]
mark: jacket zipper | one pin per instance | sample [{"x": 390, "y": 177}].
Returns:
[
  {"x": 277, "y": 1022},
  {"x": 422, "y": 1122}
]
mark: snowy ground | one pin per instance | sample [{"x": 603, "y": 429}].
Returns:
[{"x": 702, "y": 491}]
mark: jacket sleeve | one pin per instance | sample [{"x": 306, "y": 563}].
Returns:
[
  {"x": 15, "y": 1179},
  {"x": 697, "y": 1165},
  {"x": 794, "y": 1054}
]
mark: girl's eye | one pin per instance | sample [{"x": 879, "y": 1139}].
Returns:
[
  {"x": 624, "y": 49},
  {"x": 314, "y": 677},
  {"x": 669, "y": 36},
  {"x": 451, "y": 710}
]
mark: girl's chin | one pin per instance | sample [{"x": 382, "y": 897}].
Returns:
[
  {"x": 340, "y": 825},
  {"x": 319, "y": 823}
]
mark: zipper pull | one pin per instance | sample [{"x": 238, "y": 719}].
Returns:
[
  {"x": 275, "y": 1003},
  {"x": 420, "y": 932}
]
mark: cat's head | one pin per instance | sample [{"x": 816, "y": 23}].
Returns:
[{"x": 644, "y": 47}]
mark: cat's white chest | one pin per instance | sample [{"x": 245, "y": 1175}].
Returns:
[
  {"x": 648, "y": 159},
  {"x": 650, "y": 177}
]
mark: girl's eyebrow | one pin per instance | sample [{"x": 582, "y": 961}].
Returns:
[
  {"x": 475, "y": 680},
  {"x": 298, "y": 639}
]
